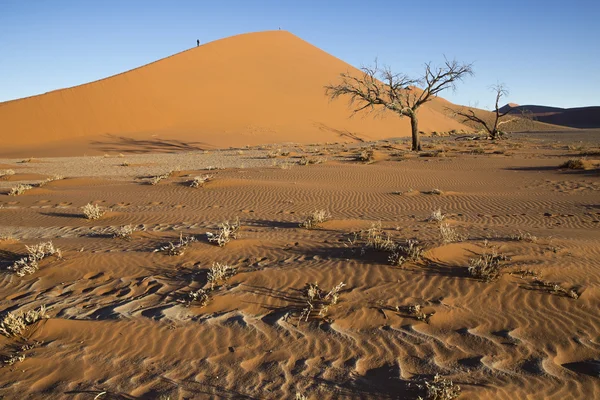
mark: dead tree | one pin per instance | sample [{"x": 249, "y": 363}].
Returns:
[
  {"x": 492, "y": 128},
  {"x": 397, "y": 92}
]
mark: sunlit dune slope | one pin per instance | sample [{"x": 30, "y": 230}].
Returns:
[{"x": 247, "y": 89}]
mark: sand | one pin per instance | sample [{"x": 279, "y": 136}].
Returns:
[
  {"x": 265, "y": 87},
  {"x": 119, "y": 324}
]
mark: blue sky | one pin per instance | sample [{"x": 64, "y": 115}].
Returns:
[{"x": 546, "y": 52}]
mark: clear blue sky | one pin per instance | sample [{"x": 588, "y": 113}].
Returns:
[{"x": 546, "y": 52}]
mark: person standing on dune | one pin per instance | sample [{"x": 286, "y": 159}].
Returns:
[{"x": 197, "y": 42}]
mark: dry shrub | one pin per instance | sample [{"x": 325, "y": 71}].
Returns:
[
  {"x": 155, "y": 180},
  {"x": 436, "y": 216},
  {"x": 411, "y": 251},
  {"x": 524, "y": 236},
  {"x": 30, "y": 263},
  {"x": 6, "y": 173},
  {"x": 576, "y": 163},
  {"x": 434, "y": 191},
  {"x": 416, "y": 311},
  {"x": 439, "y": 389},
  {"x": 376, "y": 239},
  {"x": 199, "y": 296},
  {"x": 319, "y": 300},
  {"x": 199, "y": 181},
  {"x": 177, "y": 248},
  {"x": 14, "y": 324},
  {"x": 315, "y": 218},
  {"x": 226, "y": 232},
  {"x": 219, "y": 273},
  {"x": 19, "y": 189},
  {"x": 124, "y": 232},
  {"x": 449, "y": 234},
  {"x": 487, "y": 266},
  {"x": 556, "y": 288},
  {"x": 312, "y": 160},
  {"x": 93, "y": 211},
  {"x": 366, "y": 155},
  {"x": 50, "y": 179}
]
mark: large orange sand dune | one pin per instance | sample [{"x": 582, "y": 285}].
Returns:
[{"x": 244, "y": 90}]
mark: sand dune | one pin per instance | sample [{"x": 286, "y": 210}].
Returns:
[
  {"x": 249, "y": 89},
  {"x": 119, "y": 326}
]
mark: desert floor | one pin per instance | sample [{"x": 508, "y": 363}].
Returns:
[{"x": 123, "y": 324}]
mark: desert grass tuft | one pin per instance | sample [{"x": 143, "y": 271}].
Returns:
[
  {"x": 411, "y": 251},
  {"x": 226, "y": 232},
  {"x": 436, "y": 216},
  {"x": 219, "y": 273}
]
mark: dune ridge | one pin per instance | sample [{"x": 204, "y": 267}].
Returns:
[{"x": 248, "y": 89}]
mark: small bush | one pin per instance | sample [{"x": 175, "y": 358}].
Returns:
[
  {"x": 366, "y": 155},
  {"x": 416, "y": 311},
  {"x": 556, "y": 288},
  {"x": 35, "y": 254},
  {"x": 6, "y": 173},
  {"x": 50, "y": 179},
  {"x": 378, "y": 240},
  {"x": 449, "y": 234},
  {"x": 575, "y": 163},
  {"x": 178, "y": 248},
  {"x": 319, "y": 300},
  {"x": 409, "y": 252},
  {"x": 219, "y": 273},
  {"x": 124, "y": 232},
  {"x": 524, "y": 236},
  {"x": 486, "y": 267},
  {"x": 225, "y": 233},
  {"x": 93, "y": 211},
  {"x": 19, "y": 189},
  {"x": 155, "y": 180},
  {"x": 315, "y": 218},
  {"x": 436, "y": 216},
  {"x": 439, "y": 389},
  {"x": 434, "y": 192},
  {"x": 14, "y": 324},
  {"x": 199, "y": 181}
]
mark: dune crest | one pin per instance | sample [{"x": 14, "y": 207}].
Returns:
[{"x": 248, "y": 89}]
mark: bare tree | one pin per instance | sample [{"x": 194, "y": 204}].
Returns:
[
  {"x": 398, "y": 92},
  {"x": 492, "y": 127}
]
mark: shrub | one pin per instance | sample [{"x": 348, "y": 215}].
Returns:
[
  {"x": 225, "y": 233},
  {"x": 93, "y": 211},
  {"x": 366, "y": 155},
  {"x": 575, "y": 163},
  {"x": 434, "y": 191},
  {"x": 5, "y": 173},
  {"x": 314, "y": 219},
  {"x": 486, "y": 267},
  {"x": 19, "y": 189},
  {"x": 155, "y": 180},
  {"x": 439, "y": 389},
  {"x": 436, "y": 216},
  {"x": 178, "y": 248},
  {"x": 50, "y": 179},
  {"x": 124, "y": 232},
  {"x": 318, "y": 299},
  {"x": 416, "y": 311},
  {"x": 376, "y": 239},
  {"x": 14, "y": 324},
  {"x": 449, "y": 234},
  {"x": 199, "y": 181},
  {"x": 35, "y": 254},
  {"x": 409, "y": 252},
  {"x": 218, "y": 273},
  {"x": 556, "y": 288}
]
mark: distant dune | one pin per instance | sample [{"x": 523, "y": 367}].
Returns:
[
  {"x": 582, "y": 117},
  {"x": 248, "y": 89}
]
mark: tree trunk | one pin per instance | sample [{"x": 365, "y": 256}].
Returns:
[{"x": 416, "y": 139}]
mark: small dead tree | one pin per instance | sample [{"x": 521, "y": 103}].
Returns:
[
  {"x": 379, "y": 86},
  {"x": 492, "y": 127}
]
